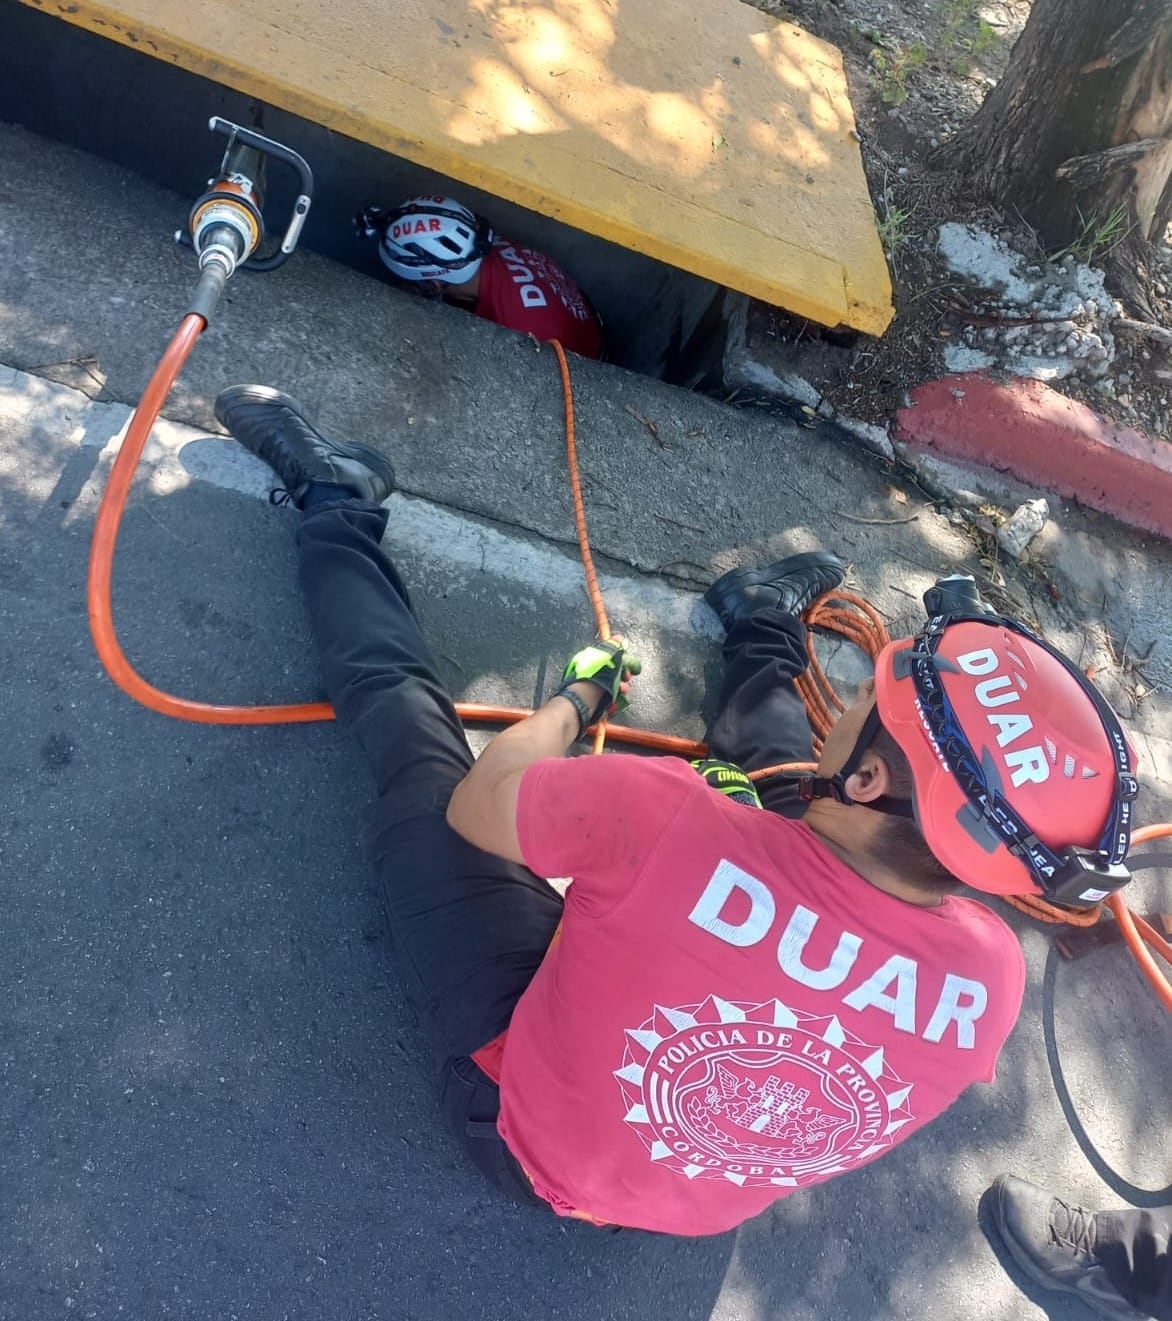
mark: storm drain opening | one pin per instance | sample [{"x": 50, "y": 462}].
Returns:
[{"x": 149, "y": 116}]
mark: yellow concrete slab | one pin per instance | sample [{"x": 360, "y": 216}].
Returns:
[{"x": 703, "y": 134}]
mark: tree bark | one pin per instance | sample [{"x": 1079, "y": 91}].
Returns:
[{"x": 1081, "y": 125}]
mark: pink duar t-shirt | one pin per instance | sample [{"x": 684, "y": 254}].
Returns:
[
  {"x": 730, "y": 1013},
  {"x": 528, "y": 291}
]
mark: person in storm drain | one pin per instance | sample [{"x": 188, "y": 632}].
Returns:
[{"x": 442, "y": 248}]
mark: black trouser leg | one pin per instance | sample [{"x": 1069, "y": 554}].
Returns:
[
  {"x": 1133, "y": 1247},
  {"x": 469, "y": 929},
  {"x": 760, "y": 718}
]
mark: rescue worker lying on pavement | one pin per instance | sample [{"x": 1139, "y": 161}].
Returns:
[
  {"x": 734, "y": 1002},
  {"x": 441, "y": 248}
]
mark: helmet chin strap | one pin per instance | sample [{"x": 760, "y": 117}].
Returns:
[{"x": 834, "y": 786}]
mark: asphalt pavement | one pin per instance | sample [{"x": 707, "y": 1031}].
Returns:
[{"x": 209, "y": 1093}]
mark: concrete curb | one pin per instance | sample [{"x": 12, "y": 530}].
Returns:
[{"x": 1031, "y": 431}]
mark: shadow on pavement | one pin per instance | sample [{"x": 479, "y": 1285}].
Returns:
[{"x": 1137, "y": 1020}]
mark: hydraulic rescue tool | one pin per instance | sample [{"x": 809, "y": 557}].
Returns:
[{"x": 226, "y": 226}]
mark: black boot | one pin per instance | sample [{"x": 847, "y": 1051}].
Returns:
[
  {"x": 274, "y": 427},
  {"x": 1054, "y": 1243},
  {"x": 789, "y": 586}
]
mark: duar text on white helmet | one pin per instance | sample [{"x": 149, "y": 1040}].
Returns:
[{"x": 434, "y": 238}]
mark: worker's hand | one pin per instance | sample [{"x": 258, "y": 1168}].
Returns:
[
  {"x": 609, "y": 668},
  {"x": 368, "y": 221},
  {"x": 728, "y": 779}
]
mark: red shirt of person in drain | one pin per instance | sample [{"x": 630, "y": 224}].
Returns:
[
  {"x": 438, "y": 245},
  {"x": 528, "y": 291}
]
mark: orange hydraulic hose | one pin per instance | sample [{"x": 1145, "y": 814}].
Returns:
[
  {"x": 479, "y": 713},
  {"x": 1053, "y": 914},
  {"x": 101, "y": 566},
  {"x": 102, "y": 563},
  {"x": 601, "y": 619},
  {"x": 592, "y": 588},
  {"x": 1136, "y": 931}
]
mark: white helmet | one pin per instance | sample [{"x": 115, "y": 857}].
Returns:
[{"x": 433, "y": 238}]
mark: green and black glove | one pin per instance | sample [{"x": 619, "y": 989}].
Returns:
[
  {"x": 610, "y": 669},
  {"x": 729, "y": 780}
]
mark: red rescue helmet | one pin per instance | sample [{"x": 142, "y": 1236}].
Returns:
[{"x": 1023, "y": 776}]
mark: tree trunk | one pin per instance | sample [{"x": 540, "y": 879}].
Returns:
[{"x": 1080, "y": 126}]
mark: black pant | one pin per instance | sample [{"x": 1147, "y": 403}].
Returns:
[
  {"x": 469, "y": 929},
  {"x": 760, "y": 716},
  {"x": 1133, "y": 1247}
]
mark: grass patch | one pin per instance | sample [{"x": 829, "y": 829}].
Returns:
[
  {"x": 895, "y": 226},
  {"x": 1098, "y": 235},
  {"x": 893, "y": 69},
  {"x": 963, "y": 38}
]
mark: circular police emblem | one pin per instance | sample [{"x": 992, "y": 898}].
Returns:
[{"x": 758, "y": 1094}]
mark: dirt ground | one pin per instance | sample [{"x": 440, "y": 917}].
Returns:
[{"x": 917, "y": 69}]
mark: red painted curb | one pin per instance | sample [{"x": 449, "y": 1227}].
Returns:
[{"x": 1025, "y": 428}]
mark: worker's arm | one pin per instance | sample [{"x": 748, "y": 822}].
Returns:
[{"x": 483, "y": 808}]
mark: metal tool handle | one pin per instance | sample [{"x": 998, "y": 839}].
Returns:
[{"x": 236, "y": 133}]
